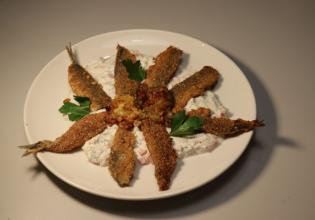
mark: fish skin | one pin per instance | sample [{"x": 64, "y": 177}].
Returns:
[
  {"x": 161, "y": 150},
  {"x": 124, "y": 85},
  {"x": 225, "y": 127},
  {"x": 75, "y": 137},
  {"x": 83, "y": 84},
  {"x": 194, "y": 86},
  {"x": 164, "y": 67},
  {"x": 122, "y": 160}
]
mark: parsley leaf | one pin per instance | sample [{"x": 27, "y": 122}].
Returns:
[
  {"x": 182, "y": 125},
  {"x": 178, "y": 119},
  {"x": 135, "y": 70},
  {"x": 74, "y": 111}
]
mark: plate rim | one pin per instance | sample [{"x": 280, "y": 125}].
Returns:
[{"x": 139, "y": 198}]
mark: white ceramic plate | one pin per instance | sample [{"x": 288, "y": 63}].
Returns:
[{"x": 43, "y": 121}]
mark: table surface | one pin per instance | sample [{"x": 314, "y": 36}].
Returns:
[{"x": 271, "y": 41}]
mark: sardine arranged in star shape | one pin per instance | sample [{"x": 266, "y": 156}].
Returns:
[{"x": 148, "y": 105}]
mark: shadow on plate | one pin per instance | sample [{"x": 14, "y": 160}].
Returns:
[{"x": 247, "y": 169}]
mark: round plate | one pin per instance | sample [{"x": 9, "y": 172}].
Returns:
[{"x": 43, "y": 121}]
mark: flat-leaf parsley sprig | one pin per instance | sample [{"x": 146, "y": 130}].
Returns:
[
  {"x": 74, "y": 111},
  {"x": 183, "y": 125},
  {"x": 135, "y": 70}
]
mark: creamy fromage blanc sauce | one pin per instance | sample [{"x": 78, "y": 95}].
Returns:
[{"x": 97, "y": 149}]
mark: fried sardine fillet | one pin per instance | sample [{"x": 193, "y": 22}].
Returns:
[
  {"x": 194, "y": 86},
  {"x": 83, "y": 84},
  {"x": 226, "y": 127},
  {"x": 124, "y": 85},
  {"x": 121, "y": 161},
  {"x": 222, "y": 126},
  {"x": 75, "y": 137},
  {"x": 164, "y": 68},
  {"x": 162, "y": 153}
]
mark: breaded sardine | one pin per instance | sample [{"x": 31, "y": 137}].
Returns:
[
  {"x": 226, "y": 127},
  {"x": 83, "y": 84},
  {"x": 162, "y": 153},
  {"x": 223, "y": 126},
  {"x": 124, "y": 85},
  {"x": 194, "y": 86},
  {"x": 121, "y": 162},
  {"x": 164, "y": 68},
  {"x": 80, "y": 132},
  {"x": 200, "y": 112}
]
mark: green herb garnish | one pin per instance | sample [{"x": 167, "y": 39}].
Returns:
[
  {"x": 183, "y": 125},
  {"x": 74, "y": 111},
  {"x": 135, "y": 70}
]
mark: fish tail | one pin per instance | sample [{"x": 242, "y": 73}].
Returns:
[
  {"x": 71, "y": 54},
  {"x": 258, "y": 123},
  {"x": 34, "y": 148}
]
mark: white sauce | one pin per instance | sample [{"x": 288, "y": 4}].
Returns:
[
  {"x": 195, "y": 144},
  {"x": 97, "y": 149},
  {"x": 103, "y": 71},
  {"x": 208, "y": 100}
]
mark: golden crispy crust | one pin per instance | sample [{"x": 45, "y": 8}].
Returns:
[
  {"x": 200, "y": 112},
  {"x": 121, "y": 162},
  {"x": 194, "y": 86},
  {"x": 124, "y": 111},
  {"x": 80, "y": 132},
  {"x": 154, "y": 102},
  {"x": 124, "y": 85},
  {"x": 162, "y": 153},
  {"x": 166, "y": 64},
  {"x": 83, "y": 84},
  {"x": 226, "y": 127}
]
